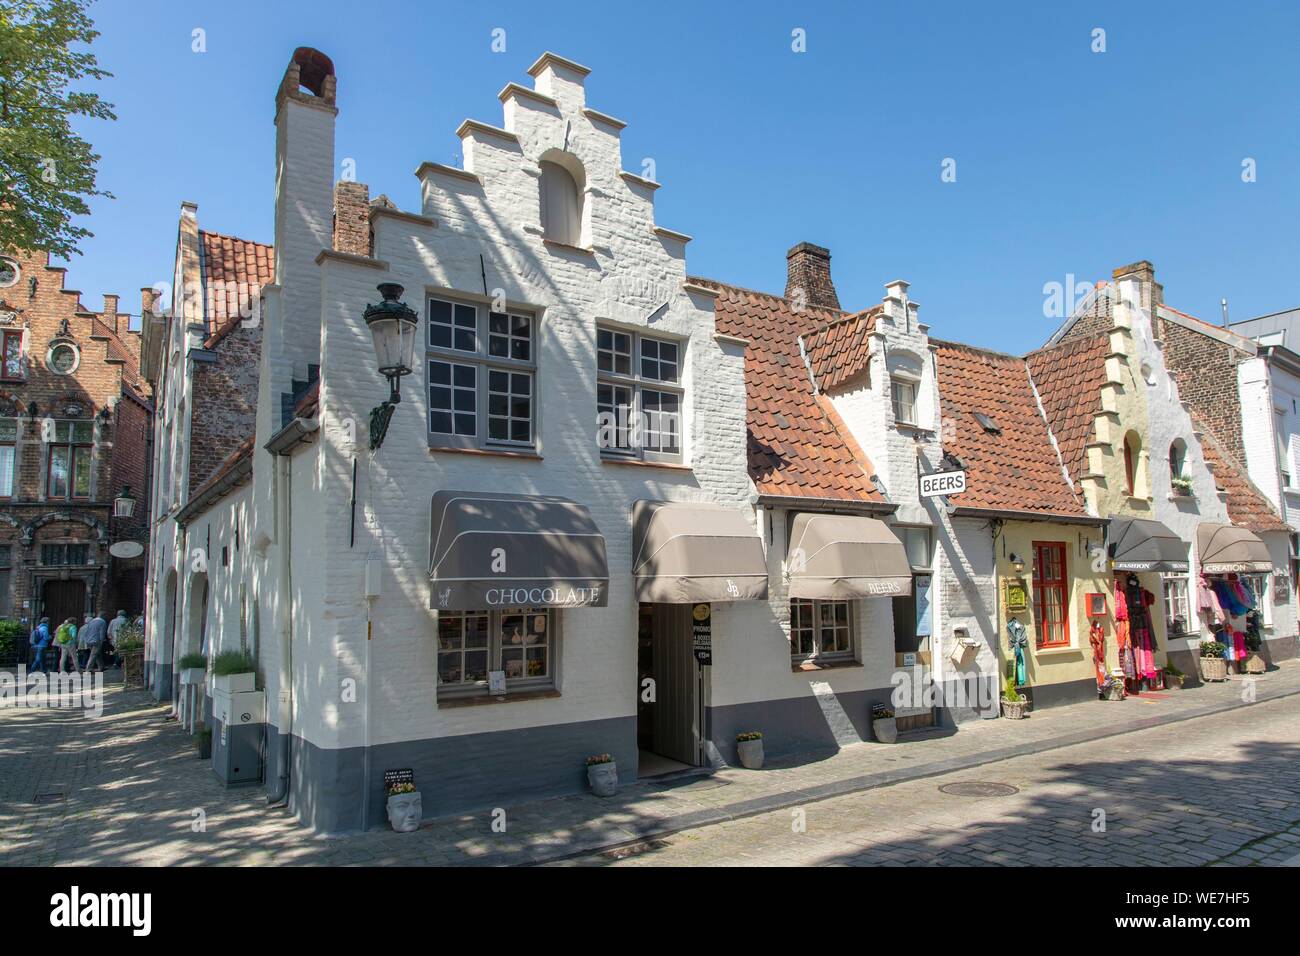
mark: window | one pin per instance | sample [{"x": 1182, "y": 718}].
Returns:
[
  {"x": 60, "y": 554},
  {"x": 1258, "y": 584},
  {"x": 63, "y": 358},
  {"x": 11, "y": 342},
  {"x": 520, "y": 642},
  {"x": 482, "y": 376},
  {"x": 820, "y": 630},
  {"x": 1177, "y": 459},
  {"x": 68, "y": 474},
  {"x": 1050, "y": 598},
  {"x": 1283, "y": 449},
  {"x": 903, "y": 393},
  {"x": 638, "y": 395},
  {"x": 1177, "y": 619},
  {"x": 1132, "y": 449},
  {"x": 988, "y": 424},
  {"x": 8, "y": 450},
  {"x": 561, "y": 205},
  {"x": 912, "y": 613},
  {"x": 6, "y": 564},
  {"x": 9, "y": 273}
]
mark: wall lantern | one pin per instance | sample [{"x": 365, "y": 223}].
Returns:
[
  {"x": 124, "y": 504},
  {"x": 1017, "y": 562},
  {"x": 393, "y": 325}
]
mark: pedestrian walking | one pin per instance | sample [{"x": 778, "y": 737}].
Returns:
[
  {"x": 83, "y": 649},
  {"x": 40, "y": 641},
  {"x": 94, "y": 634},
  {"x": 66, "y": 640}
]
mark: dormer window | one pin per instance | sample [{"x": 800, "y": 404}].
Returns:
[
  {"x": 988, "y": 424},
  {"x": 561, "y": 204},
  {"x": 903, "y": 393}
]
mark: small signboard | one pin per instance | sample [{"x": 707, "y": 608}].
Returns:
[
  {"x": 942, "y": 483},
  {"x": 496, "y": 682},
  {"x": 1016, "y": 596},
  {"x": 393, "y": 777},
  {"x": 909, "y": 659},
  {"x": 702, "y": 633}
]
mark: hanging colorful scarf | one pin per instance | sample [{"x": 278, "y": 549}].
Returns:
[
  {"x": 1019, "y": 642},
  {"x": 1097, "y": 638}
]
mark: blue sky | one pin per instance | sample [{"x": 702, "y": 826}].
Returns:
[{"x": 1068, "y": 161}]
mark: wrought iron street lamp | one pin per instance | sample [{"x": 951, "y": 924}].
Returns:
[{"x": 393, "y": 325}]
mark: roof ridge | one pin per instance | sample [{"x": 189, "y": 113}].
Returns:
[
  {"x": 1064, "y": 343},
  {"x": 839, "y": 313},
  {"x": 945, "y": 343},
  {"x": 226, "y": 235}
]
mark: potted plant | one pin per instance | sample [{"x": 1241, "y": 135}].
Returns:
[
  {"x": 1213, "y": 665},
  {"x": 884, "y": 725},
  {"x": 1014, "y": 703},
  {"x": 1254, "y": 662},
  {"x": 1113, "y": 689},
  {"x": 1174, "y": 678},
  {"x": 203, "y": 744},
  {"x": 749, "y": 746},
  {"x": 193, "y": 668},
  {"x": 130, "y": 647},
  {"x": 404, "y": 807},
  {"x": 602, "y": 774},
  {"x": 1182, "y": 486},
  {"x": 233, "y": 672}
]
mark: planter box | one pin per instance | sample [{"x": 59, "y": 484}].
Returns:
[
  {"x": 203, "y": 744},
  {"x": 234, "y": 683},
  {"x": 750, "y": 753},
  {"x": 885, "y": 729},
  {"x": 1014, "y": 709},
  {"x": 603, "y": 778},
  {"x": 405, "y": 812},
  {"x": 1174, "y": 683},
  {"x": 194, "y": 675},
  {"x": 1214, "y": 668},
  {"x": 133, "y": 669}
]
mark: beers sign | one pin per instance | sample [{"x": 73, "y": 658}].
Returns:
[{"x": 942, "y": 483}]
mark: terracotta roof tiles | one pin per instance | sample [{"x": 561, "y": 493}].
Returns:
[
  {"x": 1247, "y": 505},
  {"x": 1069, "y": 377},
  {"x": 233, "y": 270},
  {"x": 840, "y": 350}
]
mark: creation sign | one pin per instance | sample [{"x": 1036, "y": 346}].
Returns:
[{"x": 943, "y": 483}]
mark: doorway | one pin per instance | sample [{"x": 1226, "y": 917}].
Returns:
[
  {"x": 61, "y": 600},
  {"x": 668, "y": 726}
]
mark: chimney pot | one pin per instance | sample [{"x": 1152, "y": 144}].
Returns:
[{"x": 352, "y": 218}]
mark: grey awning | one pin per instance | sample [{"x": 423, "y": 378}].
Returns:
[
  {"x": 1142, "y": 544},
  {"x": 836, "y": 557},
  {"x": 1225, "y": 548},
  {"x": 491, "y": 550},
  {"x": 684, "y": 552}
]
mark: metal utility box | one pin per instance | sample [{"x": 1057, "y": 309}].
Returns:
[{"x": 239, "y": 722}]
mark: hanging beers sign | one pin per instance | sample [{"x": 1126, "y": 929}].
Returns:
[{"x": 943, "y": 483}]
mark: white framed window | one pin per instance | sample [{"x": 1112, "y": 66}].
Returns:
[
  {"x": 519, "y": 641},
  {"x": 481, "y": 375},
  {"x": 1177, "y": 609},
  {"x": 63, "y": 358},
  {"x": 820, "y": 631},
  {"x": 1259, "y": 586},
  {"x": 639, "y": 397},
  {"x": 903, "y": 394},
  {"x": 8, "y": 462}
]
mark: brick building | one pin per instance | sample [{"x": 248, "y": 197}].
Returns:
[{"x": 75, "y": 419}]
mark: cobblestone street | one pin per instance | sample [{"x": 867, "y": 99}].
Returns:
[{"x": 1184, "y": 779}]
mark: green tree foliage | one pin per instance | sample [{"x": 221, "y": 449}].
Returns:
[{"x": 47, "y": 172}]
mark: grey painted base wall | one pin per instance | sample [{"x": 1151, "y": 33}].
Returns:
[
  {"x": 158, "y": 679},
  {"x": 455, "y": 774},
  {"x": 1066, "y": 692},
  {"x": 1281, "y": 649}
]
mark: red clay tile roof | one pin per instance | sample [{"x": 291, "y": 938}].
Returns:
[
  {"x": 232, "y": 269},
  {"x": 1015, "y": 469},
  {"x": 1247, "y": 505},
  {"x": 795, "y": 447},
  {"x": 1069, "y": 377},
  {"x": 840, "y": 351}
]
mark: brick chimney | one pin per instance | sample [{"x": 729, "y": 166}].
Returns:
[
  {"x": 110, "y": 311},
  {"x": 1151, "y": 295},
  {"x": 352, "y": 218},
  {"x": 808, "y": 276}
]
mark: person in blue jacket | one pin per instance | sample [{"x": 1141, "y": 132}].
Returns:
[{"x": 39, "y": 641}]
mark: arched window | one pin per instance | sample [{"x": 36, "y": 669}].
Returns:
[
  {"x": 1177, "y": 458},
  {"x": 561, "y": 204},
  {"x": 1132, "y": 451}
]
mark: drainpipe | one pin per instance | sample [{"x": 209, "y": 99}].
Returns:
[{"x": 284, "y": 532}]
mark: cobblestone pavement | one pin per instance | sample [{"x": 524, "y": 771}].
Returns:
[
  {"x": 134, "y": 793},
  {"x": 1217, "y": 791}
]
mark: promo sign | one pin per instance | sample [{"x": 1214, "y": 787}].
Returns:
[
  {"x": 943, "y": 483},
  {"x": 702, "y": 633}
]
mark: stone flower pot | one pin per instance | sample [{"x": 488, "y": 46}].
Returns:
[
  {"x": 1214, "y": 668},
  {"x": 1114, "y": 691},
  {"x": 885, "y": 729},
  {"x": 603, "y": 778},
  {"x": 1014, "y": 709},
  {"x": 404, "y": 812},
  {"x": 750, "y": 753}
]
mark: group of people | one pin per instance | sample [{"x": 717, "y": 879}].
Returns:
[{"x": 83, "y": 647}]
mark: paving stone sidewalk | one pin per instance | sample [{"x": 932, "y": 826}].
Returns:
[{"x": 134, "y": 793}]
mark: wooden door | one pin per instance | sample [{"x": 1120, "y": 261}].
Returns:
[
  {"x": 676, "y": 684},
  {"x": 61, "y": 600}
]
